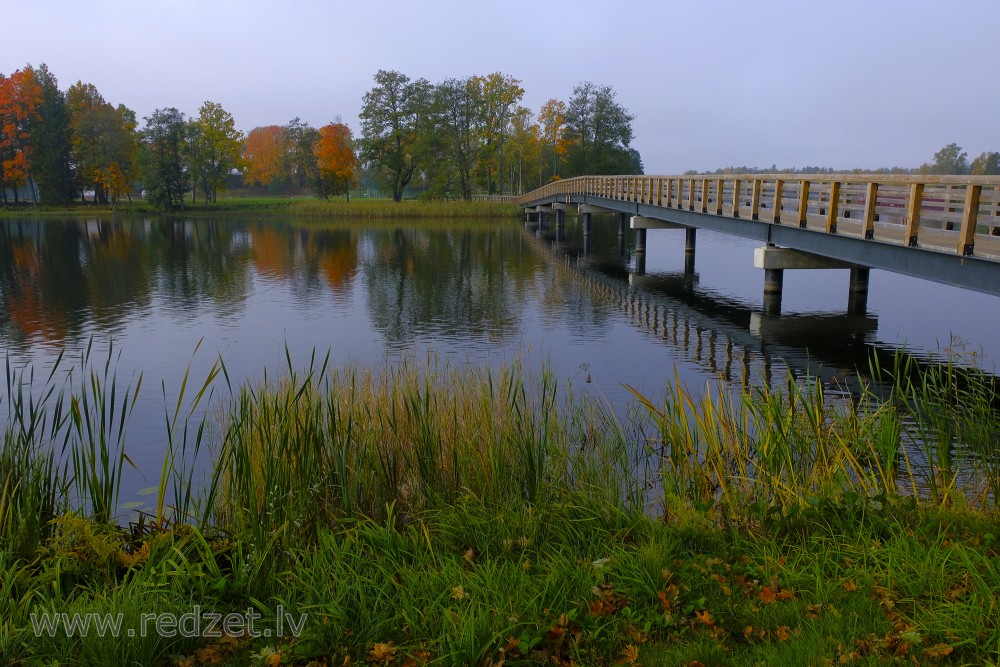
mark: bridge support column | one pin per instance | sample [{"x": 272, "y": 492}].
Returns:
[
  {"x": 690, "y": 236},
  {"x": 640, "y": 264},
  {"x": 560, "y": 217},
  {"x": 857, "y": 299},
  {"x": 640, "y": 242},
  {"x": 773, "y": 283},
  {"x": 586, "y": 225},
  {"x": 622, "y": 223}
]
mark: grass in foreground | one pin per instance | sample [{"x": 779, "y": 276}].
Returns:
[{"x": 428, "y": 514}]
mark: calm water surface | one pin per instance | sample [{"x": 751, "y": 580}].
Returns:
[{"x": 473, "y": 292}]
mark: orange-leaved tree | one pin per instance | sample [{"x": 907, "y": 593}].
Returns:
[
  {"x": 20, "y": 96},
  {"x": 336, "y": 161},
  {"x": 264, "y": 155}
]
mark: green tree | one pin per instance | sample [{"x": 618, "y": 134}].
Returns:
[
  {"x": 949, "y": 160},
  {"x": 393, "y": 117},
  {"x": 164, "y": 176},
  {"x": 454, "y": 141},
  {"x": 215, "y": 148},
  {"x": 987, "y": 164},
  {"x": 300, "y": 158},
  {"x": 51, "y": 158},
  {"x": 599, "y": 130}
]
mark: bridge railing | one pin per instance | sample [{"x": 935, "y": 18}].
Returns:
[{"x": 951, "y": 213}]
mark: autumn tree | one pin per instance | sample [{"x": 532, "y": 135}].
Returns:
[
  {"x": 599, "y": 131},
  {"x": 500, "y": 95},
  {"x": 163, "y": 141},
  {"x": 103, "y": 142},
  {"x": 394, "y": 114},
  {"x": 20, "y": 96},
  {"x": 552, "y": 125},
  {"x": 215, "y": 148},
  {"x": 264, "y": 155},
  {"x": 336, "y": 162},
  {"x": 51, "y": 159},
  {"x": 525, "y": 154}
]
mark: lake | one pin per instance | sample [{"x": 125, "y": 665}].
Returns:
[{"x": 474, "y": 292}]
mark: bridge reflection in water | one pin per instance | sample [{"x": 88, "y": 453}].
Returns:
[{"x": 734, "y": 341}]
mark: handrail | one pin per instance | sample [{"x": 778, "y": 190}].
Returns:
[{"x": 953, "y": 210}]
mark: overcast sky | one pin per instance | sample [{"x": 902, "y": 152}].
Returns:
[{"x": 855, "y": 83}]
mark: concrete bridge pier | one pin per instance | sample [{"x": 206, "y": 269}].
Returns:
[
  {"x": 640, "y": 242},
  {"x": 775, "y": 260},
  {"x": 773, "y": 283},
  {"x": 640, "y": 224},
  {"x": 857, "y": 299},
  {"x": 690, "y": 236},
  {"x": 622, "y": 223},
  {"x": 586, "y": 225},
  {"x": 640, "y": 264}
]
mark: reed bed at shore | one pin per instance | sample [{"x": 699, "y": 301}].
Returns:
[
  {"x": 306, "y": 207},
  {"x": 431, "y": 513}
]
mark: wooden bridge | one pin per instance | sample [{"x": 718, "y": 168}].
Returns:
[{"x": 940, "y": 228}]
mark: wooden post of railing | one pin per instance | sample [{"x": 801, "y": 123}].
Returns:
[
  {"x": 755, "y": 200},
  {"x": 803, "y": 203},
  {"x": 704, "y": 195},
  {"x": 871, "y": 198},
  {"x": 690, "y": 194},
  {"x": 719, "y": 187},
  {"x": 946, "y": 209},
  {"x": 831, "y": 213},
  {"x": 659, "y": 192},
  {"x": 913, "y": 214},
  {"x": 970, "y": 216},
  {"x": 995, "y": 226},
  {"x": 669, "y": 193},
  {"x": 779, "y": 196},
  {"x": 737, "y": 185}
]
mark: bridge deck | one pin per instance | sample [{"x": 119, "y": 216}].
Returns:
[{"x": 943, "y": 228}]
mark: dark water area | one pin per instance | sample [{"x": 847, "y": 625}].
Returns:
[{"x": 471, "y": 292}]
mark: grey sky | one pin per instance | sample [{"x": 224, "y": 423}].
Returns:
[{"x": 864, "y": 83}]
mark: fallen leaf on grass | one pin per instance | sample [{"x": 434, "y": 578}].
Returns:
[
  {"x": 630, "y": 654},
  {"x": 849, "y": 586},
  {"x": 704, "y": 617},
  {"x": 382, "y": 653},
  {"x": 938, "y": 651},
  {"x": 767, "y": 595}
]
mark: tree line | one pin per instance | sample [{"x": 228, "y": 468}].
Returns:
[
  {"x": 449, "y": 140},
  {"x": 950, "y": 160}
]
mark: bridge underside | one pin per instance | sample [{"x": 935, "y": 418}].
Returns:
[{"x": 975, "y": 273}]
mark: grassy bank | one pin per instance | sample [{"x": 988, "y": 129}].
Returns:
[
  {"x": 356, "y": 209},
  {"x": 429, "y": 514}
]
